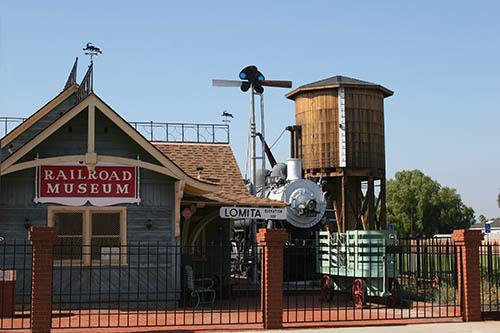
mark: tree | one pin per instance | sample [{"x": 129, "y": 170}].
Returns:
[
  {"x": 498, "y": 200},
  {"x": 419, "y": 206}
]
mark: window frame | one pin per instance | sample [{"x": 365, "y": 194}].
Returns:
[{"x": 87, "y": 211}]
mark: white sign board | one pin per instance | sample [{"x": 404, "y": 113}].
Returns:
[{"x": 253, "y": 213}]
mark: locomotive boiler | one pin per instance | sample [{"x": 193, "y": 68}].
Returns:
[{"x": 305, "y": 198}]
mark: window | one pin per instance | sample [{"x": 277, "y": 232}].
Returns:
[
  {"x": 106, "y": 241},
  {"x": 69, "y": 227},
  {"x": 90, "y": 235}
]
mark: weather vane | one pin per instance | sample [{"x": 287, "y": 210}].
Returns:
[
  {"x": 92, "y": 51},
  {"x": 226, "y": 116}
]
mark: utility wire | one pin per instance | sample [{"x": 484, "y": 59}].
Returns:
[{"x": 279, "y": 137}]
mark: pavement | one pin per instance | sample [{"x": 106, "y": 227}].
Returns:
[{"x": 470, "y": 327}]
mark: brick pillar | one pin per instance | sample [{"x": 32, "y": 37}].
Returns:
[
  {"x": 272, "y": 242},
  {"x": 43, "y": 240},
  {"x": 469, "y": 274}
]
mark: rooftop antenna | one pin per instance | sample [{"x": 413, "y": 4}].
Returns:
[
  {"x": 226, "y": 116},
  {"x": 91, "y": 51}
]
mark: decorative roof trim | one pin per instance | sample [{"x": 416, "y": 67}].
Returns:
[
  {"x": 387, "y": 93},
  {"x": 72, "y": 75}
]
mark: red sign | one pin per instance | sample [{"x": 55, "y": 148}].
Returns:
[{"x": 76, "y": 181}]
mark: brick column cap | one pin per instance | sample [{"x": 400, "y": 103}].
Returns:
[
  {"x": 467, "y": 236},
  {"x": 42, "y": 234},
  {"x": 272, "y": 237}
]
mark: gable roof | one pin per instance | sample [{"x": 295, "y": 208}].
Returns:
[
  {"x": 220, "y": 166},
  {"x": 49, "y": 106},
  {"x": 193, "y": 184},
  {"x": 339, "y": 81}
]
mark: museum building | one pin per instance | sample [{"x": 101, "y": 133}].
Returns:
[{"x": 78, "y": 166}]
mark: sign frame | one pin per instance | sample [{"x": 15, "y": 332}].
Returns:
[
  {"x": 252, "y": 213},
  {"x": 95, "y": 200}
]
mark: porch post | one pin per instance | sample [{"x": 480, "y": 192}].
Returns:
[
  {"x": 272, "y": 242},
  {"x": 469, "y": 274},
  {"x": 43, "y": 240}
]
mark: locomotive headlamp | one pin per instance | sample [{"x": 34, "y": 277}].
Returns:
[{"x": 311, "y": 205}]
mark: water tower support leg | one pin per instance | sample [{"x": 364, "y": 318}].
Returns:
[{"x": 371, "y": 203}]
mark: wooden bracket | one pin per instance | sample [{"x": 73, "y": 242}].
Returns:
[{"x": 179, "y": 193}]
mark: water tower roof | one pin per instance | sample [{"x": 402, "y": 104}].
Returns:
[{"x": 339, "y": 81}]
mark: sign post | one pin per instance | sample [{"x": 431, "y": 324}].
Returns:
[
  {"x": 487, "y": 230},
  {"x": 253, "y": 213}
]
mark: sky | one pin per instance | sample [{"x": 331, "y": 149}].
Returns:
[{"x": 441, "y": 59}]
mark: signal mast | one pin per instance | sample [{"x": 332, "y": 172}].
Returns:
[{"x": 253, "y": 80}]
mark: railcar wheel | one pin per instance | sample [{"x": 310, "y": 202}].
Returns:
[
  {"x": 359, "y": 293},
  {"x": 326, "y": 288},
  {"x": 395, "y": 289}
]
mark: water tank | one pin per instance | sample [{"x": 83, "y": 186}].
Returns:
[{"x": 342, "y": 123}]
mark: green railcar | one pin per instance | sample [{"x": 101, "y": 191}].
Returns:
[{"x": 359, "y": 262}]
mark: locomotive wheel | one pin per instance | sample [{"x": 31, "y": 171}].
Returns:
[
  {"x": 395, "y": 289},
  {"x": 359, "y": 293},
  {"x": 326, "y": 288}
]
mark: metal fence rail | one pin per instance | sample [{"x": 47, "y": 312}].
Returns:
[
  {"x": 149, "y": 284},
  {"x": 15, "y": 284},
  {"x": 157, "y": 131},
  {"x": 183, "y": 132},
  {"x": 7, "y": 124},
  {"x": 409, "y": 280},
  {"x": 489, "y": 258}
]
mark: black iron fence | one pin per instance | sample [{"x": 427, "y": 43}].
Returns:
[
  {"x": 183, "y": 132},
  {"x": 15, "y": 284},
  {"x": 150, "y": 284},
  {"x": 105, "y": 284},
  {"x": 370, "y": 280},
  {"x": 489, "y": 258}
]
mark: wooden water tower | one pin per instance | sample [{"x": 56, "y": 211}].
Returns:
[{"x": 339, "y": 135}]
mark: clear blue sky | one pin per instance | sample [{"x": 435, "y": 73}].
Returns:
[{"x": 440, "y": 58}]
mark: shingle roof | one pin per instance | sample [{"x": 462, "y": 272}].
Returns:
[
  {"x": 495, "y": 223},
  {"x": 338, "y": 81},
  {"x": 219, "y": 166}
]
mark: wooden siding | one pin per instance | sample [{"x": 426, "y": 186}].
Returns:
[
  {"x": 39, "y": 126},
  {"x": 365, "y": 128},
  {"x": 157, "y": 193},
  {"x": 111, "y": 140},
  {"x": 17, "y": 207},
  {"x": 317, "y": 113}
]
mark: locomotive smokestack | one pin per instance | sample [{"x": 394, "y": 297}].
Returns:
[{"x": 293, "y": 169}]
